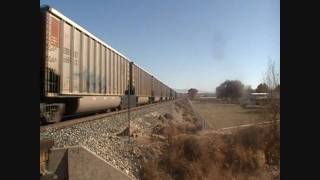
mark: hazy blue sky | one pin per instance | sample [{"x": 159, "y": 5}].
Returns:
[{"x": 186, "y": 43}]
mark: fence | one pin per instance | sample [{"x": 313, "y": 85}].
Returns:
[{"x": 204, "y": 124}]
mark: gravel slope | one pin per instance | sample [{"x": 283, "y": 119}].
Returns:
[{"x": 100, "y": 136}]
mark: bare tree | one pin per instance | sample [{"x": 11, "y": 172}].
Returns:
[
  {"x": 230, "y": 89},
  {"x": 262, "y": 88},
  {"x": 272, "y": 79},
  {"x": 272, "y": 76},
  {"x": 192, "y": 93}
]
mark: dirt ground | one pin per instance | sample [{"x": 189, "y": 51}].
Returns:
[{"x": 221, "y": 115}]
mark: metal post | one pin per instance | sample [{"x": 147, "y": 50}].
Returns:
[{"x": 129, "y": 93}]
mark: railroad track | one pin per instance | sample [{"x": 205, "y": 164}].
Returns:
[{"x": 72, "y": 122}]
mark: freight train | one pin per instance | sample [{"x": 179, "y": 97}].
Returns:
[{"x": 79, "y": 73}]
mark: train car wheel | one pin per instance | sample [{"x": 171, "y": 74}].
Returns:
[{"x": 51, "y": 113}]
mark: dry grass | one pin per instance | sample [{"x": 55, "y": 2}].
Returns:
[
  {"x": 189, "y": 153},
  {"x": 244, "y": 155},
  {"x": 221, "y": 115}
]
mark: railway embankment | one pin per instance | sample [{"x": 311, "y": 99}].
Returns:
[
  {"x": 103, "y": 138},
  {"x": 193, "y": 150},
  {"x": 171, "y": 141}
]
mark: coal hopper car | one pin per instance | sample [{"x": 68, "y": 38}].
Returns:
[{"x": 80, "y": 73}]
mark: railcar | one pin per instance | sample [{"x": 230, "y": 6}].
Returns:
[{"x": 80, "y": 73}]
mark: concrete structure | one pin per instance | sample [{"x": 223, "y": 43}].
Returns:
[{"x": 79, "y": 163}]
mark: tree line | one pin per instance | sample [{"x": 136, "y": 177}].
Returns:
[{"x": 235, "y": 89}]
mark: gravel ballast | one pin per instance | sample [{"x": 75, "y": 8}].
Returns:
[{"x": 100, "y": 136}]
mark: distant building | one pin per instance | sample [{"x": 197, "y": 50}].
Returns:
[
  {"x": 259, "y": 95},
  {"x": 255, "y": 99},
  {"x": 258, "y": 98}
]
